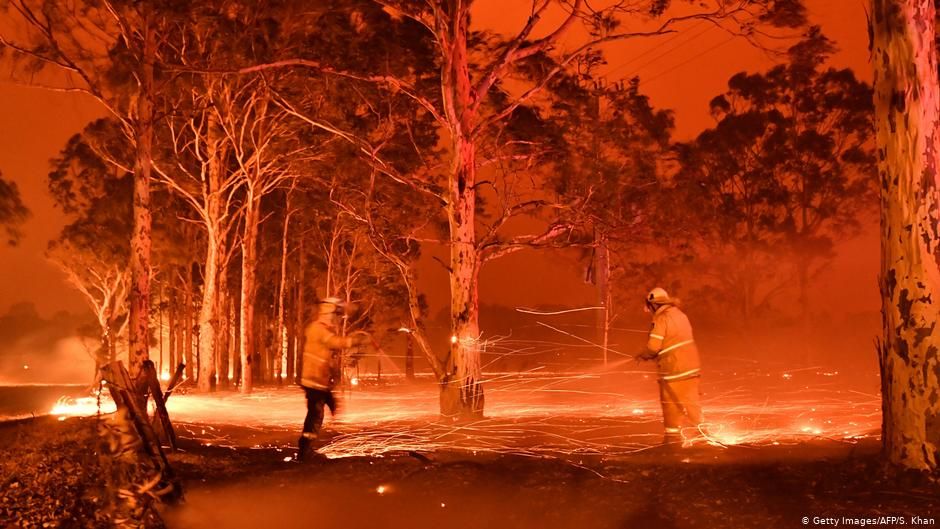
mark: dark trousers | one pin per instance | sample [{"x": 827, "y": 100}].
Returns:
[{"x": 316, "y": 400}]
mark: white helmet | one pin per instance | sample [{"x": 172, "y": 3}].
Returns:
[
  {"x": 330, "y": 305},
  {"x": 658, "y": 296}
]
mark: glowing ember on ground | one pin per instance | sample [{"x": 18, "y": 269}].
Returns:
[
  {"x": 81, "y": 406},
  {"x": 535, "y": 414}
]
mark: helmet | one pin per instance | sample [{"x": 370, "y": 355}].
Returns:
[
  {"x": 330, "y": 305},
  {"x": 658, "y": 296}
]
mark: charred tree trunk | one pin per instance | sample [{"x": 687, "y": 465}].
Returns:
[
  {"x": 139, "y": 298},
  {"x": 247, "y": 311},
  {"x": 907, "y": 126}
]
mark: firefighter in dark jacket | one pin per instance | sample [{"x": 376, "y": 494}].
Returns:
[
  {"x": 671, "y": 344},
  {"x": 321, "y": 359}
]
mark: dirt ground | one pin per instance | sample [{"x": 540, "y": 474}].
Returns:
[
  {"x": 700, "y": 487},
  {"x": 585, "y": 457},
  {"x": 241, "y": 487}
]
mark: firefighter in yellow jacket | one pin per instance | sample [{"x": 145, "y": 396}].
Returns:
[
  {"x": 321, "y": 358},
  {"x": 672, "y": 345}
]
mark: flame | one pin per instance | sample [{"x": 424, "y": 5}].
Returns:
[{"x": 81, "y": 406}]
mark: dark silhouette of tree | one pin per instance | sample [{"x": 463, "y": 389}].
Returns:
[
  {"x": 108, "y": 50},
  {"x": 612, "y": 150},
  {"x": 12, "y": 211},
  {"x": 92, "y": 248},
  {"x": 786, "y": 172}
]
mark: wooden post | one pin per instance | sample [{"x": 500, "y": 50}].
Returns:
[
  {"x": 161, "y": 419},
  {"x": 125, "y": 392}
]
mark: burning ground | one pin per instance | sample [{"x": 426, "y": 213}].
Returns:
[{"x": 556, "y": 450}]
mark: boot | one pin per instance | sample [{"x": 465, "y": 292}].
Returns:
[{"x": 303, "y": 445}]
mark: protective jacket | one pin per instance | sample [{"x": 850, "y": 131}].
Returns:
[
  {"x": 321, "y": 355},
  {"x": 671, "y": 339}
]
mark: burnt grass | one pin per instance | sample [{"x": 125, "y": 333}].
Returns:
[
  {"x": 48, "y": 479},
  {"x": 49, "y": 474}
]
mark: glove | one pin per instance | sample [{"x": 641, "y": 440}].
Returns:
[
  {"x": 646, "y": 356},
  {"x": 361, "y": 338}
]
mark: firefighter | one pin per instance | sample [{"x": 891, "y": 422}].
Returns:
[
  {"x": 321, "y": 359},
  {"x": 672, "y": 346}
]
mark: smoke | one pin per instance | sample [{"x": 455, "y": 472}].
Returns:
[{"x": 37, "y": 350}]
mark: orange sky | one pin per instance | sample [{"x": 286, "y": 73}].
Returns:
[{"x": 683, "y": 74}]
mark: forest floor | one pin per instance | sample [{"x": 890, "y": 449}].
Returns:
[
  {"x": 699, "y": 487},
  {"x": 541, "y": 459}
]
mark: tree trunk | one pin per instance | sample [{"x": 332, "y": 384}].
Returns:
[
  {"x": 247, "y": 312},
  {"x": 139, "y": 298},
  {"x": 160, "y": 312},
  {"x": 461, "y": 387},
  {"x": 300, "y": 323},
  {"x": 222, "y": 336},
  {"x": 207, "y": 314},
  {"x": 234, "y": 362},
  {"x": 291, "y": 341},
  {"x": 223, "y": 329},
  {"x": 280, "y": 340},
  {"x": 188, "y": 322},
  {"x": 603, "y": 292},
  {"x": 907, "y": 125},
  {"x": 409, "y": 357},
  {"x": 262, "y": 347},
  {"x": 172, "y": 328}
]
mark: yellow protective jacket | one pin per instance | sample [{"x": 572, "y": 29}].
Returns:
[
  {"x": 671, "y": 339},
  {"x": 321, "y": 355}
]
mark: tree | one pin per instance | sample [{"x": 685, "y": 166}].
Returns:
[
  {"x": 472, "y": 101},
  {"x": 907, "y": 120},
  {"x": 197, "y": 172},
  {"x": 92, "y": 249},
  {"x": 92, "y": 253},
  {"x": 265, "y": 156},
  {"x": 786, "y": 172},
  {"x": 612, "y": 149},
  {"x": 12, "y": 211},
  {"x": 108, "y": 50}
]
